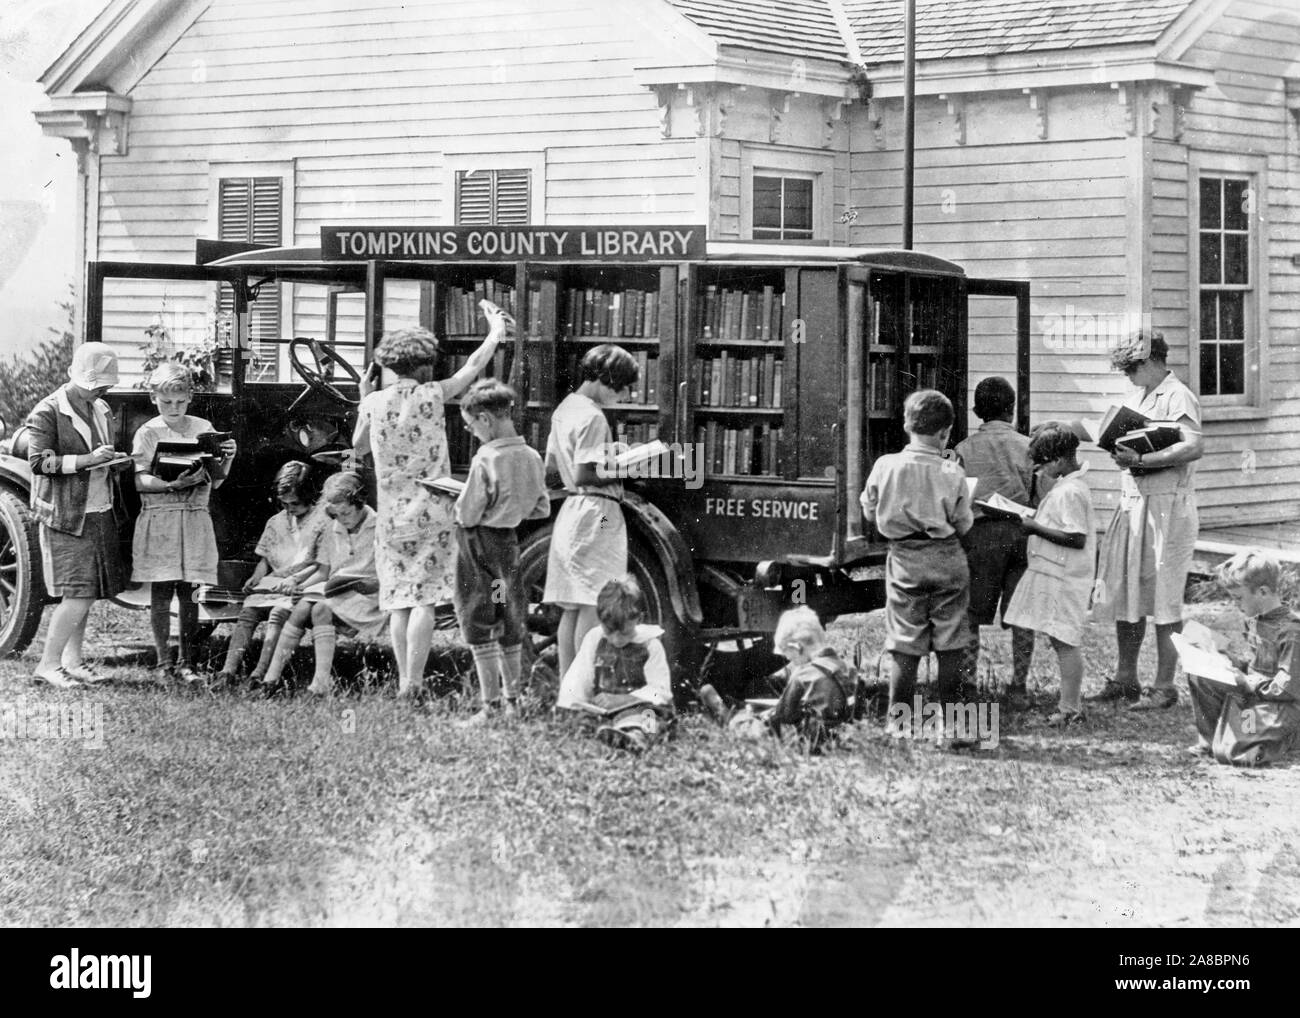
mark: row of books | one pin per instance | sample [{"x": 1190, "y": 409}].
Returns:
[
  {"x": 745, "y": 452},
  {"x": 463, "y": 317},
  {"x": 732, "y": 380},
  {"x": 497, "y": 368},
  {"x": 632, "y": 314},
  {"x": 882, "y": 379},
  {"x": 636, "y": 432},
  {"x": 731, "y": 315}
]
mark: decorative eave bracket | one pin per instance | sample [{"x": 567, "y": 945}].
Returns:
[{"x": 95, "y": 122}]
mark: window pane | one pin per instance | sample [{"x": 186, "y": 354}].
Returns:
[
  {"x": 1235, "y": 216},
  {"x": 1232, "y": 315},
  {"x": 798, "y": 204},
  {"x": 767, "y": 202},
  {"x": 1209, "y": 369},
  {"x": 1232, "y": 369},
  {"x": 1209, "y": 316},
  {"x": 767, "y": 234},
  {"x": 1236, "y": 258},
  {"x": 1211, "y": 260},
  {"x": 1211, "y": 207}
]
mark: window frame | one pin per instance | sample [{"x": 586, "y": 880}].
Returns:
[
  {"x": 1255, "y": 400},
  {"x": 285, "y": 169},
  {"x": 461, "y": 162},
  {"x": 801, "y": 164}
]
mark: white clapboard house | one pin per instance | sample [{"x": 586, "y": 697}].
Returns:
[{"x": 1129, "y": 157}]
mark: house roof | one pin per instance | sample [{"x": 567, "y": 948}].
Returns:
[
  {"x": 945, "y": 28},
  {"x": 804, "y": 28}
]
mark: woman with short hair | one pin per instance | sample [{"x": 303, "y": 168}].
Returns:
[{"x": 1147, "y": 551}]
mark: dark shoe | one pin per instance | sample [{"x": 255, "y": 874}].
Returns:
[
  {"x": 632, "y": 740},
  {"x": 1113, "y": 692},
  {"x": 1017, "y": 698},
  {"x": 58, "y": 678},
  {"x": 1066, "y": 718},
  {"x": 1156, "y": 699},
  {"x": 222, "y": 681},
  {"x": 1200, "y": 749}
]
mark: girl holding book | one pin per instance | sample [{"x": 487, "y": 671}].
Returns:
[
  {"x": 288, "y": 548},
  {"x": 175, "y": 548},
  {"x": 403, "y": 426},
  {"x": 1052, "y": 595},
  {"x": 343, "y": 589},
  {"x": 589, "y": 541}
]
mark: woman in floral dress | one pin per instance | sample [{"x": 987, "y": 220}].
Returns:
[{"x": 404, "y": 428}]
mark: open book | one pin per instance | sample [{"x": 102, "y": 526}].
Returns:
[
  {"x": 608, "y": 704},
  {"x": 1002, "y": 508},
  {"x": 334, "y": 585},
  {"x": 120, "y": 460},
  {"x": 641, "y": 453},
  {"x": 444, "y": 486},
  {"x": 1203, "y": 662}
]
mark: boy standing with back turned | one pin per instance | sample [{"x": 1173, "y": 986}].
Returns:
[{"x": 918, "y": 500}]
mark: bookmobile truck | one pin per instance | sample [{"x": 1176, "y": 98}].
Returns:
[{"x": 774, "y": 373}]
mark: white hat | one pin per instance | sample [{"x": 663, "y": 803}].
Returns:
[{"x": 93, "y": 365}]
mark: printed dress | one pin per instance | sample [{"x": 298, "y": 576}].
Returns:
[
  {"x": 174, "y": 539},
  {"x": 406, "y": 429},
  {"x": 287, "y": 542}
]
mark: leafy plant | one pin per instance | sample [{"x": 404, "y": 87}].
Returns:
[
  {"x": 27, "y": 378},
  {"x": 199, "y": 358}
]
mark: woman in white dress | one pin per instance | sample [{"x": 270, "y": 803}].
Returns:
[
  {"x": 589, "y": 541},
  {"x": 1147, "y": 551},
  {"x": 403, "y": 426}
]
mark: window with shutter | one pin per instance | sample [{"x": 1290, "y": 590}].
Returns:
[
  {"x": 492, "y": 197},
  {"x": 252, "y": 209}
]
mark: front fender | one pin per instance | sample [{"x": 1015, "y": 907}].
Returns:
[
  {"x": 678, "y": 564},
  {"x": 657, "y": 530},
  {"x": 15, "y": 473}
]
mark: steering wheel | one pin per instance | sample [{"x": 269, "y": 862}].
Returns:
[{"x": 319, "y": 376}]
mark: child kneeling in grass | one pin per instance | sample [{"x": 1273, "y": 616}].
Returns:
[
  {"x": 620, "y": 672},
  {"x": 1256, "y": 723},
  {"x": 817, "y": 693}
]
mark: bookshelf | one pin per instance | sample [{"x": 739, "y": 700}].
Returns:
[
  {"x": 738, "y": 378},
  {"x": 579, "y": 307}
]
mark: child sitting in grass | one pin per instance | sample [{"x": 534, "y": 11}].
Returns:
[
  {"x": 1256, "y": 723},
  {"x": 817, "y": 687},
  {"x": 620, "y": 672},
  {"x": 1052, "y": 597}
]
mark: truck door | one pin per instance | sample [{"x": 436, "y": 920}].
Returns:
[{"x": 998, "y": 337}]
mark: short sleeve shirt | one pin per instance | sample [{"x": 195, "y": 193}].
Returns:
[
  {"x": 580, "y": 434},
  {"x": 287, "y": 541},
  {"x": 1171, "y": 400},
  {"x": 145, "y": 445},
  {"x": 997, "y": 456},
  {"x": 345, "y": 554},
  {"x": 917, "y": 491}
]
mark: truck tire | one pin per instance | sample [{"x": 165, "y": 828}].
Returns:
[
  {"x": 22, "y": 586},
  {"x": 644, "y": 565}
]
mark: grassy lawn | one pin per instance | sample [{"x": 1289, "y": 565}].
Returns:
[{"x": 225, "y": 810}]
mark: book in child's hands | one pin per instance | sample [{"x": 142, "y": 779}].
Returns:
[
  {"x": 1002, "y": 508},
  {"x": 448, "y": 486},
  {"x": 1205, "y": 663},
  {"x": 1119, "y": 421},
  {"x": 642, "y": 453},
  {"x": 174, "y": 458},
  {"x": 1152, "y": 438}
]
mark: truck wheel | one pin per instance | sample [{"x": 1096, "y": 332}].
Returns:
[
  {"x": 22, "y": 587},
  {"x": 643, "y": 564}
]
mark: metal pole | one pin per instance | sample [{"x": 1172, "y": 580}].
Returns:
[{"x": 909, "y": 118}]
